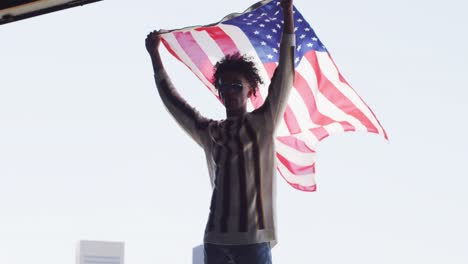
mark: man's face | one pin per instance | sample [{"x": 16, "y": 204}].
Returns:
[{"x": 234, "y": 90}]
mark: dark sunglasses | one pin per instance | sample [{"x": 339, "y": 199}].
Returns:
[{"x": 237, "y": 87}]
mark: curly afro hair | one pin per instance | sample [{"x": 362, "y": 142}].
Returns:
[{"x": 241, "y": 64}]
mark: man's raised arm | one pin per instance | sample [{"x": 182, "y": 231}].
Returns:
[
  {"x": 185, "y": 115},
  {"x": 283, "y": 78}
]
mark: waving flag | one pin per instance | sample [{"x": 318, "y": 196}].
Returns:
[{"x": 321, "y": 102}]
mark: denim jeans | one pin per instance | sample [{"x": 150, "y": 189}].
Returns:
[{"x": 238, "y": 254}]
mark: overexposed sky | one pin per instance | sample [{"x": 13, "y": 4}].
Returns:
[{"x": 87, "y": 150}]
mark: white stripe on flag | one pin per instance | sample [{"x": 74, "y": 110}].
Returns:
[
  {"x": 309, "y": 139},
  {"x": 208, "y": 45},
  {"x": 329, "y": 70},
  {"x": 172, "y": 41},
  {"x": 334, "y": 128},
  {"x": 304, "y": 180},
  {"x": 299, "y": 108},
  {"x": 323, "y": 104},
  {"x": 293, "y": 155}
]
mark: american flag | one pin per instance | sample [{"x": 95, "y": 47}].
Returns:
[{"x": 321, "y": 102}]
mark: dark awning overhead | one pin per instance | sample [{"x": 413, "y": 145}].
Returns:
[
  {"x": 13, "y": 10},
  {"x": 12, "y": 3}
]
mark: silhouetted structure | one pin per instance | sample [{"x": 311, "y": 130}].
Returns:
[
  {"x": 14, "y": 10},
  {"x": 100, "y": 252}
]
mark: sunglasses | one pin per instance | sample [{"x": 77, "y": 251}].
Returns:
[{"x": 223, "y": 87}]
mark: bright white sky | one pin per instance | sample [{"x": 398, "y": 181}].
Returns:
[{"x": 87, "y": 150}]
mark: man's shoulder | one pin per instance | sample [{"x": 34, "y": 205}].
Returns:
[{"x": 259, "y": 119}]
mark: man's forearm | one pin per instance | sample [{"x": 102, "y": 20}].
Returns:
[
  {"x": 185, "y": 115},
  {"x": 283, "y": 77},
  {"x": 157, "y": 62},
  {"x": 288, "y": 21}
]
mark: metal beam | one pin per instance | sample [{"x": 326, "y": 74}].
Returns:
[{"x": 14, "y": 10}]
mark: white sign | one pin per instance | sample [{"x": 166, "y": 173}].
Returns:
[{"x": 100, "y": 252}]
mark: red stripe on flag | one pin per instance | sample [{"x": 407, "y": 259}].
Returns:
[
  {"x": 224, "y": 41},
  {"x": 169, "y": 48},
  {"x": 305, "y": 91},
  {"x": 291, "y": 121},
  {"x": 347, "y": 126},
  {"x": 289, "y": 118},
  {"x": 342, "y": 79},
  {"x": 334, "y": 95},
  {"x": 295, "y": 143},
  {"x": 319, "y": 132},
  {"x": 294, "y": 168},
  {"x": 311, "y": 188},
  {"x": 196, "y": 53}
]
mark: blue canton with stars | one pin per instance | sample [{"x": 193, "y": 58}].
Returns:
[{"x": 263, "y": 26}]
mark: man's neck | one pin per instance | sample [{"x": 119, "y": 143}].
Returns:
[{"x": 236, "y": 112}]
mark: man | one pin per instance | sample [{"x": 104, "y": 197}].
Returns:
[{"x": 239, "y": 150}]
